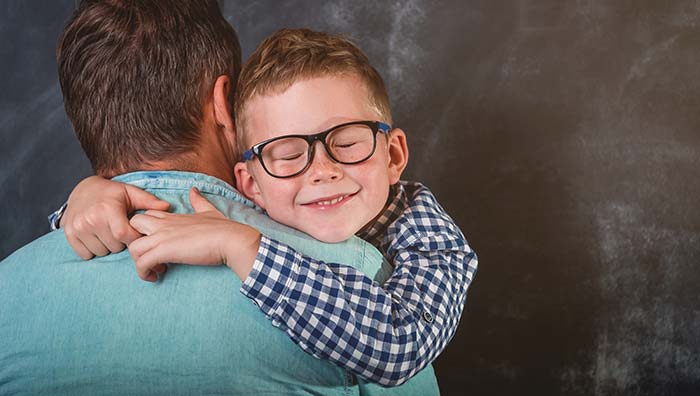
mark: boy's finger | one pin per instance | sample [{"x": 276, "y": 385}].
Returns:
[
  {"x": 142, "y": 223},
  {"x": 139, "y": 199},
  {"x": 145, "y": 265},
  {"x": 123, "y": 231},
  {"x": 110, "y": 242},
  {"x": 79, "y": 248},
  {"x": 140, "y": 246},
  {"x": 199, "y": 203},
  {"x": 135, "y": 249},
  {"x": 105, "y": 233},
  {"x": 118, "y": 226},
  {"x": 160, "y": 269},
  {"x": 157, "y": 213},
  {"x": 94, "y": 245}
]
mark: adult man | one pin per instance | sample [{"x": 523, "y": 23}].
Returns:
[{"x": 147, "y": 86}]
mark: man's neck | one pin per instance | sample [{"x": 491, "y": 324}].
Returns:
[{"x": 213, "y": 155}]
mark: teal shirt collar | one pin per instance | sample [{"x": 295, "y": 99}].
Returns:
[{"x": 178, "y": 180}]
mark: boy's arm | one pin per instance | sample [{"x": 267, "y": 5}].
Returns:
[
  {"x": 383, "y": 333},
  {"x": 95, "y": 218}
]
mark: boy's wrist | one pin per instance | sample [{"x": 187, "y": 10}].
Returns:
[{"x": 241, "y": 248}]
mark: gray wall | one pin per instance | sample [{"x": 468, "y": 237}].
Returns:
[{"x": 562, "y": 135}]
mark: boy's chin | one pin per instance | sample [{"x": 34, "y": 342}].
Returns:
[{"x": 330, "y": 237}]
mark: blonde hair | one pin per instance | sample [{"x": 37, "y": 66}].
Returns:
[{"x": 292, "y": 55}]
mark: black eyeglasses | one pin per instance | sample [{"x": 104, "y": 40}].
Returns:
[{"x": 290, "y": 155}]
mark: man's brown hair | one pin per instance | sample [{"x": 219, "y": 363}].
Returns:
[
  {"x": 292, "y": 55},
  {"x": 135, "y": 73}
]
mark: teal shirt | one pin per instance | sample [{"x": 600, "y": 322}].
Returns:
[{"x": 77, "y": 327}]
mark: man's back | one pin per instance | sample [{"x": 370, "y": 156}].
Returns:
[{"x": 75, "y": 327}]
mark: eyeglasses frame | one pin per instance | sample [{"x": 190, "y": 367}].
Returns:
[{"x": 375, "y": 126}]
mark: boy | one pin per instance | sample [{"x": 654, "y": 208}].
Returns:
[{"x": 306, "y": 106}]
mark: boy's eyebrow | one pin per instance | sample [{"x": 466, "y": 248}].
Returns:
[{"x": 384, "y": 127}]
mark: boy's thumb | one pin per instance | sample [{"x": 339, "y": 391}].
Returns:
[
  {"x": 141, "y": 200},
  {"x": 199, "y": 203}
]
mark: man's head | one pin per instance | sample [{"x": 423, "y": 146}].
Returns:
[
  {"x": 303, "y": 82},
  {"x": 137, "y": 77}
]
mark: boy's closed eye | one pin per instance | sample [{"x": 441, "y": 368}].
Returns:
[
  {"x": 342, "y": 145},
  {"x": 285, "y": 151},
  {"x": 290, "y": 157}
]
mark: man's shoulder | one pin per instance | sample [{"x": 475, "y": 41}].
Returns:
[
  {"x": 94, "y": 325},
  {"x": 52, "y": 245}
]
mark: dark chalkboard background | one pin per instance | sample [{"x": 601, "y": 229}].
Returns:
[{"x": 562, "y": 135}]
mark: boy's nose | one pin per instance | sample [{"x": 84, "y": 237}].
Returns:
[{"x": 322, "y": 168}]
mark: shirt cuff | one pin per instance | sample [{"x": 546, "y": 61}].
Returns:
[
  {"x": 55, "y": 217},
  {"x": 274, "y": 271}
]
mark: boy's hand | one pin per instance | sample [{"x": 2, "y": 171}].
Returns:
[
  {"x": 204, "y": 238},
  {"x": 96, "y": 222}
]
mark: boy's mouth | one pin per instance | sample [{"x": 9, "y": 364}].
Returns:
[{"x": 330, "y": 201}]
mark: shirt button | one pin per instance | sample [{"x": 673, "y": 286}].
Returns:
[{"x": 427, "y": 316}]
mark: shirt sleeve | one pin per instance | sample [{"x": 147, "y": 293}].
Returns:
[
  {"x": 55, "y": 217},
  {"x": 383, "y": 333}
]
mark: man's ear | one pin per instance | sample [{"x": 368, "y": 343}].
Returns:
[
  {"x": 398, "y": 154},
  {"x": 222, "y": 106},
  {"x": 246, "y": 183}
]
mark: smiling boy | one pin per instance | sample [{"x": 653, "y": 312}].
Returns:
[
  {"x": 328, "y": 200},
  {"x": 314, "y": 122}
]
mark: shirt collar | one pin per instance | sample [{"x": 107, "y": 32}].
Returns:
[{"x": 178, "y": 180}]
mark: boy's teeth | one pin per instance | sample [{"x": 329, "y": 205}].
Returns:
[{"x": 331, "y": 202}]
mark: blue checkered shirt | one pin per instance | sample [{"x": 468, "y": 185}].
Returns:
[{"x": 384, "y": 333}]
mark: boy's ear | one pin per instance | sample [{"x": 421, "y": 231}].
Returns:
[
  {"x": 246, "y": 183},
  {"x": 398, "y": 154},
  {"x": 222, "y": 106}
]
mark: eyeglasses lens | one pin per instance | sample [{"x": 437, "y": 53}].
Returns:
[{"x": 349, "y": 144}]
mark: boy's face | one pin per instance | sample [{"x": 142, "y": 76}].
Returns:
[{"x": 329, "y": 201}]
